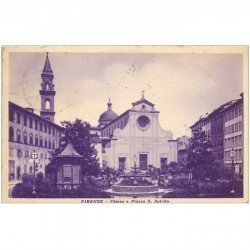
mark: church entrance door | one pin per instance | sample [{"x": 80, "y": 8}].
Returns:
[{"x": 143, "y": 161}]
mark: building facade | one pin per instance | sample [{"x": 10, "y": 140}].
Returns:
[
  {"x": 224, "y": 126},
  {"x": 135, "y": 137},
  {"x": 182, "y": 148},
  {"x": 234, "y": 136},
  {"x": 29, "y": 132}
]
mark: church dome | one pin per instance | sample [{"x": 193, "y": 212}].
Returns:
[{"x": 108, "y": 115}]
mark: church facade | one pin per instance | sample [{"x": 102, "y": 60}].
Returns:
[{"x": 135, "y": 137}]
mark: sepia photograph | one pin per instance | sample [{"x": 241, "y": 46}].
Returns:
[{"x": 125, "y": 124}]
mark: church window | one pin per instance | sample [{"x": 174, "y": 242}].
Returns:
[
  {"x": 47, "y": 104},
  {"x": 11, "y": 134},
  {"x": 143, "y": 122},
  {"x": 164, "y": 162},
  {"x": 47, "y": 86}
]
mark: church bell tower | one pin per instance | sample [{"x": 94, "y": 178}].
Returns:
[{"x": 47, "y": 92}]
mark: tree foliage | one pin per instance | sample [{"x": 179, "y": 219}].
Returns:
[
  {"x": 200, "y": 158},
  {"x": 78, "y": 134}
]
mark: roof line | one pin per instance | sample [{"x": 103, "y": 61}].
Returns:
[{"x": 36, "y": 115}]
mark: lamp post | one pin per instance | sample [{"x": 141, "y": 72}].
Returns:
[
  {"x": 232, "y": 156},
  {"x": 34, "y": 159}
]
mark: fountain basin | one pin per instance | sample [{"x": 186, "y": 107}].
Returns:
[{"x": 135, "y": 189}]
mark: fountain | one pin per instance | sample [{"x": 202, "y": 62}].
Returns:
[{"x": 136, "y": 184}]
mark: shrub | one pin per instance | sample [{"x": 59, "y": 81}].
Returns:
[
  {"x": 21, "y": 190},
  {"x": 92, "y": 187}
]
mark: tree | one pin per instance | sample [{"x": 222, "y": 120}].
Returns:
[
  {"x": 200, "y": 158},
  {"x": 78, "y": 134}
]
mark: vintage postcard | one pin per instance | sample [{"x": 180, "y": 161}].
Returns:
[{"x": 124, "y": 124}]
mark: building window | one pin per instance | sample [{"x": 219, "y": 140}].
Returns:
[
  {"x": 25, "y": 138},
  {"x": 53, "y": 144},
  {"x": 45, "y": 143},
  {"x": 236, "y": 112},
  {"x": 41, "y": 141},
  {"x": 240, "y": 110},
  {"x": 36, "y": 125},
  {"x": 26, "y": 154},
  {"x": 49, "y": 143},
  {"x": 25, "y": 168},
  {"x": 240, "y": 126},
  {"x": 18, "y": 117},
  {"x": 30, "y": 170},
  {"x": 11, "y": 115},
  {"x": 31, "y": 139},
  {"x": 236, "y": 141},
  {"x": 31, "y": 123},
  {"x": 18, "y": 173},
  {"x": 19, "y": 153},
  {"x": 49, "y": 130},
  {"x": 18, "y": 133},
  {"x": 36, "y": 140},
  {"x": 41, "y": 126},
  {"x": 10, "y": 151},
  {"x": 240, "y": 140},
  {"x": 232, "y": 128},
  {"x": 45, "y": 128},
  {"x": 11, "y": 134},
  {"x": 25, "y": 120},
  {"x": 232, "y": 142},
  {"x": 53, "y": 131},
  {"x": 236, "y": 127},
  {"x": 11, "y": 170},
  {"x": 41, "y": 156}
]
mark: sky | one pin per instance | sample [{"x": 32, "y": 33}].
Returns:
[{"x": 182, "y": 86}]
